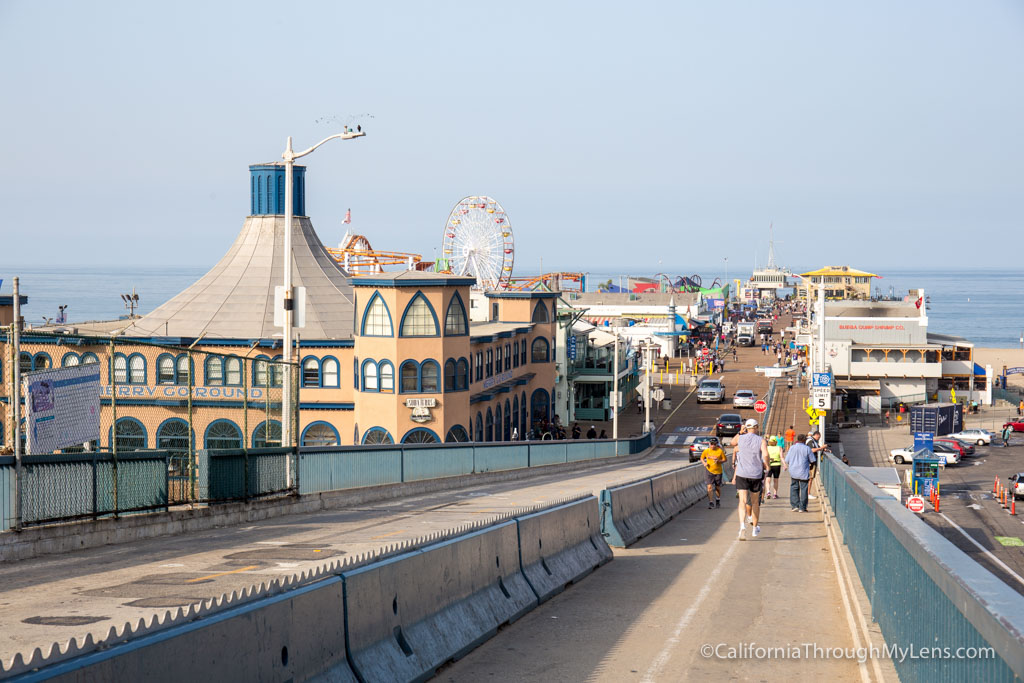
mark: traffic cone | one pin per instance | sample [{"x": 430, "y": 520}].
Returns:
[
  {"x": 995, "y": 485},
  {"x": 936, "y": 501},
  {"x": 1013, "y": 507}
]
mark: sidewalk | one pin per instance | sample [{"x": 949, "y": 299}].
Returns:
[{"x": 689, "y": 602}]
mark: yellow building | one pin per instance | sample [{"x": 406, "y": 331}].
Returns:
[
  {"x": 840, "y": 282},
  {"x": 390, "y": 357}
]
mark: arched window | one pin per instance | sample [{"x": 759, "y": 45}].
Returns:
[
  {"x": 259, "y": 194},
  {"x": 174, "y": 435},
  {"x": 130, "y": 435},
  {"x": 508, "y": 357},
  {"x": 70, "y": 360},
  {"x": 165, "y": 369},
  {"x": 223, "y": 434},
  {"x": 497, "y": 422},
  {"x": 260, "y": 371},
  {"x": 497, "y": 359},
  {"x": 522, "y": 353},
  {"x": 387, "y": 377},
  {"x": 329, "y": 370},
  {"x": 24, "y": 362},
  {"x": 41, "y": 361},
  {"x": 540, "y": 402},
  {"x": 409, "y": 377},
  {"x": 311, "y": 372},
  {"x": 120, "y": 369},
  {"x": 182, "y": 370},
  {"x": 457, "y": 434},
  {"x": 507, "y": 424},
  {"x": 136, "y": 369},
  {"x": 276, "y": 371},
  {"x": 523, "y": 422},
  {"x": 455, "y": 319},
  {"x": 320, "y": 434},
  {"x": 420, "y": 435},
  {"x": 449, "y": 375},
  {"x": 479, "y": 365},
  {"x": 462, "y": 375},
  {"x": 377, "y": 318},
  {"x": 479, "y": 427},
  {"x": 515, "y": 416},
  {"x": 233, "y": 371},
  {"x": 489, "y": 426},
  {"x": 355, "y": 372},
  {"x": 430, "y": 377},
  {"x": 540, "y": 313},
  {"x": 214, "y": 371},
  {"x": 419, "y": 319},
  {"x": 88, "y": 358},
  {"x": 267, "y": 435},
  {"x": 370, "y": 376},
  {"x": 377, "y": 436},
  {"x": 515, "y": 354},
  {"x": 539, "y": 352}
]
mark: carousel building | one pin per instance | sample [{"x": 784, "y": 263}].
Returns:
[{"x": 382, "y": 358}]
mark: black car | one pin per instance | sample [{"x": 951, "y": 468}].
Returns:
[{"x": 729, "y": 424}]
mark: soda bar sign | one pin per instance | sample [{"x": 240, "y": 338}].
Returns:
[
  {"x": 126, "y": 391},
  {"x": 421, "y": 408}
]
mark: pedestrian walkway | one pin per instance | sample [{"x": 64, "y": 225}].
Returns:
[{"x": 690, "y": 602}]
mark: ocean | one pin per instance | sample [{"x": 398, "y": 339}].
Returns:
[{"x": 984, "y": 306}]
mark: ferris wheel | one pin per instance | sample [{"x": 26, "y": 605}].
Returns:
[{"x": 478, "y": 241}]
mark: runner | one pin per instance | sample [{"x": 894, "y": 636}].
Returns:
[
  {"x": 790, "y": 436},
  {"x": 774, "y": 467},
  {"x": 713, "y": 457},
  {"x": 751, "y": 462}
]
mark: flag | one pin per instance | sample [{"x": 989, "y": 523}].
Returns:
[
  {"x": 348, "y": 220},
  {"x": 918, "y": 302}
]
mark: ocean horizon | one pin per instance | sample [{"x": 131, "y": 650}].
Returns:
[{"x": 982, "y": 306}]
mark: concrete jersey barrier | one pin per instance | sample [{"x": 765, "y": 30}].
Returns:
[
  {"x": 677, "y": 490},
  {"x": 408, "y": 615},
  {"x": 561, "y": 545},
  {"x": 628, "y": 513}
]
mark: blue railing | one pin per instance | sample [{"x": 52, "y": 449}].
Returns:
[
  {"x": 345, "y": 467},
  {"x": 60, "y": 488},
  {"x": 925, "y": 592}
]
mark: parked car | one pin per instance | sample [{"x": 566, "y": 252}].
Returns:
[
  {"x": 728, "y": 424},
  {"x": 744, "y": 398},
  {"x": 982, "y": 437},
  {"x": 947, "y": 454},
  {"x": 698, "y": 446},
  {"x": 1016, "y": 425},
  {"x": 1018, "y": 484},
  {"x": 711, "y": 391},
  {"x": 962, "y": 446}
]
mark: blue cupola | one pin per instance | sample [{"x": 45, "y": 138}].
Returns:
[{"x": 266, "y": 194}]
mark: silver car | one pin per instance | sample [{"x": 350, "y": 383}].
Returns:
[
  {"x": 982, "y": 437},
  {"x": 711, "y": 391},
  {"x": 744, "y": 398}
]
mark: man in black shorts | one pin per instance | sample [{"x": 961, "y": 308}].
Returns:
[{"x": 713, "y": 457}]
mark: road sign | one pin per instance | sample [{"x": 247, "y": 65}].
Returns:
[
  {"x": 760, "y": 406},
  {"x": 915, "y": 504},
  {"x": 642, "y": 390},
  {"x": 659, "y": 394},
  {"x": 821, "y": 379},
  {"x": 821, "y": 397},
  {"x": 924, "y": 440}
]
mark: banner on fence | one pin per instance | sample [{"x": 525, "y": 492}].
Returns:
[{"x": 62, "y": 408}]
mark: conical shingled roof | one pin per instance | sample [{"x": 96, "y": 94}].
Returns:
[{"x": 235, "y": 299}]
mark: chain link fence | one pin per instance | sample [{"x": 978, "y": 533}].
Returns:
[{"x": 175, "y": 399}]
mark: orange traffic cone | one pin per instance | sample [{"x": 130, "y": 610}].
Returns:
[{"x": 995, "y": 486}]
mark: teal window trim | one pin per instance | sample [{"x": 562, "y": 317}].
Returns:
[
  {"x": 401, "y": 377},
  {"x": 376, "y": 430},
  {"x": 313, "y": 384},
  {"x": 337, "y": 373},
  {"x": 337, "y": 436},
  {"x": 419, "y": 296},
  {"x": 453, "y": 436},
  {"x": 362, "y": 375},
  {"x": 224, "y": 420},
  {"x": 366, "y": 312},
  {"x": 420, "y": 430},
  {"x": 456, "y": 300},
  {"x": 263, "y": 425}
]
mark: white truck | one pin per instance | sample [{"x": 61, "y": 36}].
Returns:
[{"x": 745, "y": 334}]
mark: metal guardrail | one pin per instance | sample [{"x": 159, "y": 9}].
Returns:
[
  {"x": 63, "y": 488},
  {"x": 926, "y": 593},
  {"x": 245, "y": 474}
]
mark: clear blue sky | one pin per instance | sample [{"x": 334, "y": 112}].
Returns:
[{"x": 879, "y": 134}]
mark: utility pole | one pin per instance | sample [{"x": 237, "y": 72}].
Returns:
[
  {"x": 615, "y": 391},
  {"x": 647, "y": 383},
  {"x": 821, "y": 353},
  {"x": 16, "y": 403}
]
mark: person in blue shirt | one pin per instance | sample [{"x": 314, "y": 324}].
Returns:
[{"x": 799, "y": 459}]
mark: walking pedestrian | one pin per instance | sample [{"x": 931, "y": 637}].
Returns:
[
  {"x": 774, "y": 467},
  {"x": 790, "y": 436},
  {"x": 799, "y": 461},
  {"x": 789, "y": 383},
  {"x": 713, "y": 457},
  {"x": 750, "y": 462},
  {"x": 1006, "y": 435},
  {"x": 814, "y": 443}
]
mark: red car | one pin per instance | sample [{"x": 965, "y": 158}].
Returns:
[{"x": 1016, "y": 425}]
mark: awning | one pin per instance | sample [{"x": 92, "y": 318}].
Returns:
[
  {"x": 978, "y": 370},
  {"x": 858, "y": 384}
]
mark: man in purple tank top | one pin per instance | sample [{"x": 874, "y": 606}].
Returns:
[{"x": 750, "y": 462}]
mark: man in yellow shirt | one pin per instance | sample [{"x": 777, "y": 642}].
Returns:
[{"x": 713, "y": 458}]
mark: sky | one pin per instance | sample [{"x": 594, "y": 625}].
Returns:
[{"x": 616, "y": 135}]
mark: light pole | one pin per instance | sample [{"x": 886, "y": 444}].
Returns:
[{"x": 289, "y": 157}]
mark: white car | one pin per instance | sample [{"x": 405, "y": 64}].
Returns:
[
  {"x": 945, "y": 454},
  {"x": 744, "y": 398},
  {"x": 711, "y": 391},
  {"x": 982, "y": 437}
]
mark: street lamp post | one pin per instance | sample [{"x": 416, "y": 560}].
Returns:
[{"x": 289, "y": 157}]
